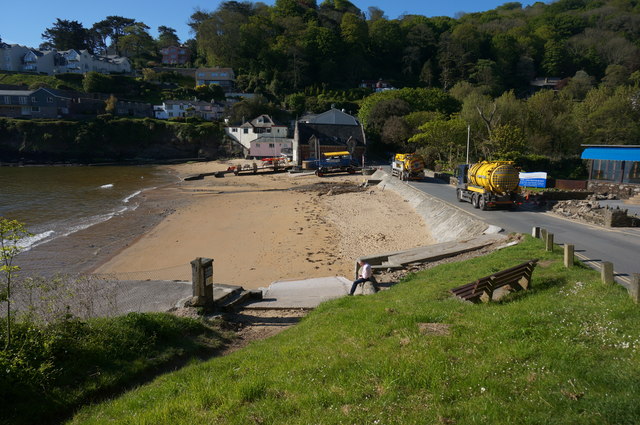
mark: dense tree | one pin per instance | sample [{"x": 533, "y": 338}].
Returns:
[
  {"x": 167, "y": 37},
  {"x": 111, "y": 28},
  {"x": 65, "y": 35}
]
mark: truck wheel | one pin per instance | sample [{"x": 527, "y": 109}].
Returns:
[
  {"x": 351, "y": 170},
  {"x": 474, "y": 201},
  {"x": 482, "y": 204},
  {"x": 319, "y": 173},
  {"x": 459, "y": 194}
]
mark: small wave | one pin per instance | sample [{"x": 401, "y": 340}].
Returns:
[
  {"x": 92, "y": 221},
  {"x": 106, "y": 186},
  {"x": 35, "y": 240},
  {"x": 133, "y": 195}
]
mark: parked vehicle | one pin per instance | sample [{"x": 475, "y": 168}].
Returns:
[
  {"x": 335, "y": 162},
  {"x": 488, "y": 184},
  {"x": 407, "y": 166}
]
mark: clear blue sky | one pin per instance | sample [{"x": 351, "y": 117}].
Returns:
[{"x": 23, "y": 21}]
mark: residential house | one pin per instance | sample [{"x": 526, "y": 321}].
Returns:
[
  {"x": 176, "y": 55},
  {"x": 224, "y": 77},
  {"x": 261, "y": 137},
  {"x": 331, "y": 131},
  {"x": 51, "y": 103},
  {"x": 17, "y": 58},
  {"x": 377, "y": 85},
  {"x": 208, "y": 111}
]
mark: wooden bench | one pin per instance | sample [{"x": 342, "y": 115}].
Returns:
[{"x": 515, "y": 278}]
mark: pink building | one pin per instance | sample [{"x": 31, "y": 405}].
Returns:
[
  {"x": 265, "y": 148},
  {"x": 176, "y": 55}
]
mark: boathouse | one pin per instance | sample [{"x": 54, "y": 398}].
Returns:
[{"x": 614, "y": 169}]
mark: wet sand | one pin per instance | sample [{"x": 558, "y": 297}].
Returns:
[{"x": 257, "y": 228}]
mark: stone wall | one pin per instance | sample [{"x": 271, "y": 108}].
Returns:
[
  {"x": 446, "y": 222},
  {"x": 621, "y": 191}
]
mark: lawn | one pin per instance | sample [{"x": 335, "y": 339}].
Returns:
[{"x": 564, "y": 352}]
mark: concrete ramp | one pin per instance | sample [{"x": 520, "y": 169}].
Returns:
[
  {"x": 445, "y": 221},
  {"x": 302, "y": 294}
]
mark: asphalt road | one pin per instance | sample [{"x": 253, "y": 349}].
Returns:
[{"x": 593, "y": 244}]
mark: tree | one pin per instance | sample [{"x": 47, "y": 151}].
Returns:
[
  {"x": 11, "y": 233},
  {"x": 66, "y": 35},
  {"x": 137, "y": 43},
  {"x": 112, "y": 28},
  {"x": 111, "y": 104},
  {"x": 443, "y": 140},
  {"x": 167, "y": 37}
]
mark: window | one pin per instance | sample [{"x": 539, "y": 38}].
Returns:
[
  {"x": 35, "y": 109},
  {"x": 234, "y": 130},
  {"x": 272, "y": 145},
  {"x": 49, "y": 100},
  {"x": 606, "y": 170},
  {"x": 34, "y": 100},
  {"x": 257, "y": 145},
  {"x": 268, "y": 130},
  {"x": 246, "y": 131},
  {"x": 7, "y": 100},
  {"x": 633, "y": 172},
  {"x": 22, "y": 100},
  {"x": 200, "y": 74}
]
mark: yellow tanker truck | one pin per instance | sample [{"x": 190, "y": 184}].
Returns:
[
  {"x": 488, "y": 184},
  {"x": 407, "y": 166}
]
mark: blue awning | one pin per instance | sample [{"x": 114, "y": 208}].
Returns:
[{"x": 612, "y": 154}]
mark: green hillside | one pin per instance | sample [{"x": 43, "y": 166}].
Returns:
[{"x": 566, "y": 352}]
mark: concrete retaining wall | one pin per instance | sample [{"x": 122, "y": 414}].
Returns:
[{"x": 445, "y": 222}]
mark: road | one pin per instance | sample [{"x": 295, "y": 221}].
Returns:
[{"x": 593, "y": 244}]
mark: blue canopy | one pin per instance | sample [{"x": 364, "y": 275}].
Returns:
[{"x": 632, "y": 153}]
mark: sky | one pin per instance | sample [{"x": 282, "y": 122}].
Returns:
[{"x": 23, "y": 21}]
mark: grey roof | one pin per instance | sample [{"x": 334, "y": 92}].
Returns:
[
  {"x": 332, "y": 116},
  {"x": 15, "y": 92}
]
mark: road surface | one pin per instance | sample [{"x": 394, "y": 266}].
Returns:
[{"x": 593, "y": 244}]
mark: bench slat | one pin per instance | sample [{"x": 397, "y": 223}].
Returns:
[{"x": 486, "y": 285}]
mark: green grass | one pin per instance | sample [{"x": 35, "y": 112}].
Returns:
[
  {"x": 63, "y": 81},
  {"x": 51, "y": 370},
  {"x": 565, "y": 352}
]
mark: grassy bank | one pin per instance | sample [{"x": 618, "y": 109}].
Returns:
[
  {"x": 49, "y": 370},
  {"x": 565, "y": 352}
]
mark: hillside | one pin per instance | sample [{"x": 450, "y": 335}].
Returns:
[{"x": 564, "y": 352}]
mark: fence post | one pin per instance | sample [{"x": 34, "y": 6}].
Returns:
[
  {"x": 634, "y": 287},
  {"x": 543, "y": 234},
  {"x": 607, "y": 273},
  {"x": 201, "y": 270},
  {"x": 568, "y": 255},
  {"x": 535, "y": 232},
  {"x": 549, "y": 242}
]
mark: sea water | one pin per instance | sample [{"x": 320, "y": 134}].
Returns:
[{"x": 56, "y": 201}]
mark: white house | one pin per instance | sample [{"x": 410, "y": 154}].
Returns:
[
  {"x": 261, "y": 137},
  {"x": 17, "y": 58},
  {"x": 209, "y": 111}
]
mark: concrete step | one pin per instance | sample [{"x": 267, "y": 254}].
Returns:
[{"x": 238, "y": 298}]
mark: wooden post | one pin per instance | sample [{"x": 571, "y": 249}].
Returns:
[
  {"x": 607, "y": 273},
  {"x": 201, "y": 270},
  {"x": 568, "y": 255},
  {"x": 549, "y": 242},
  {"x": 543, "y": 234},
  {"x": 535, "y": 232},
  {"x": 634, "y": 287}
]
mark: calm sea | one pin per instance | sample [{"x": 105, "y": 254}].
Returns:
[{"x": 58, "y": 201}]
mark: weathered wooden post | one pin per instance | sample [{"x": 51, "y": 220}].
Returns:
[
  {"x": 543, "y": 234},
  {"x": 535, "y": 232},
  {"x": 202, "y": 281},
  {"x": 568, "y": 255},
  {"x": 634, "y": 287},
  {"x": 606, "y": 273},
  {"x": 548, "y": 244}
]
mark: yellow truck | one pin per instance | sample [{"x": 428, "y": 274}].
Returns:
[
  {"x": 407, "y": 166},
  {"x": 488, "y": 184}
]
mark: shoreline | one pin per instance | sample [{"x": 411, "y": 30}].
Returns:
[{"x": 257, "y": 228}]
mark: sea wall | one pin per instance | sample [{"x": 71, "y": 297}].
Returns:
[{"x": 445, "y": 221}]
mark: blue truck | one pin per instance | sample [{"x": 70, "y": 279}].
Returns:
[{"x": 335, "y": 162}]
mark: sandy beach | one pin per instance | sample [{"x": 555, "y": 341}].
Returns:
[{"x": 267, "y": 227}]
